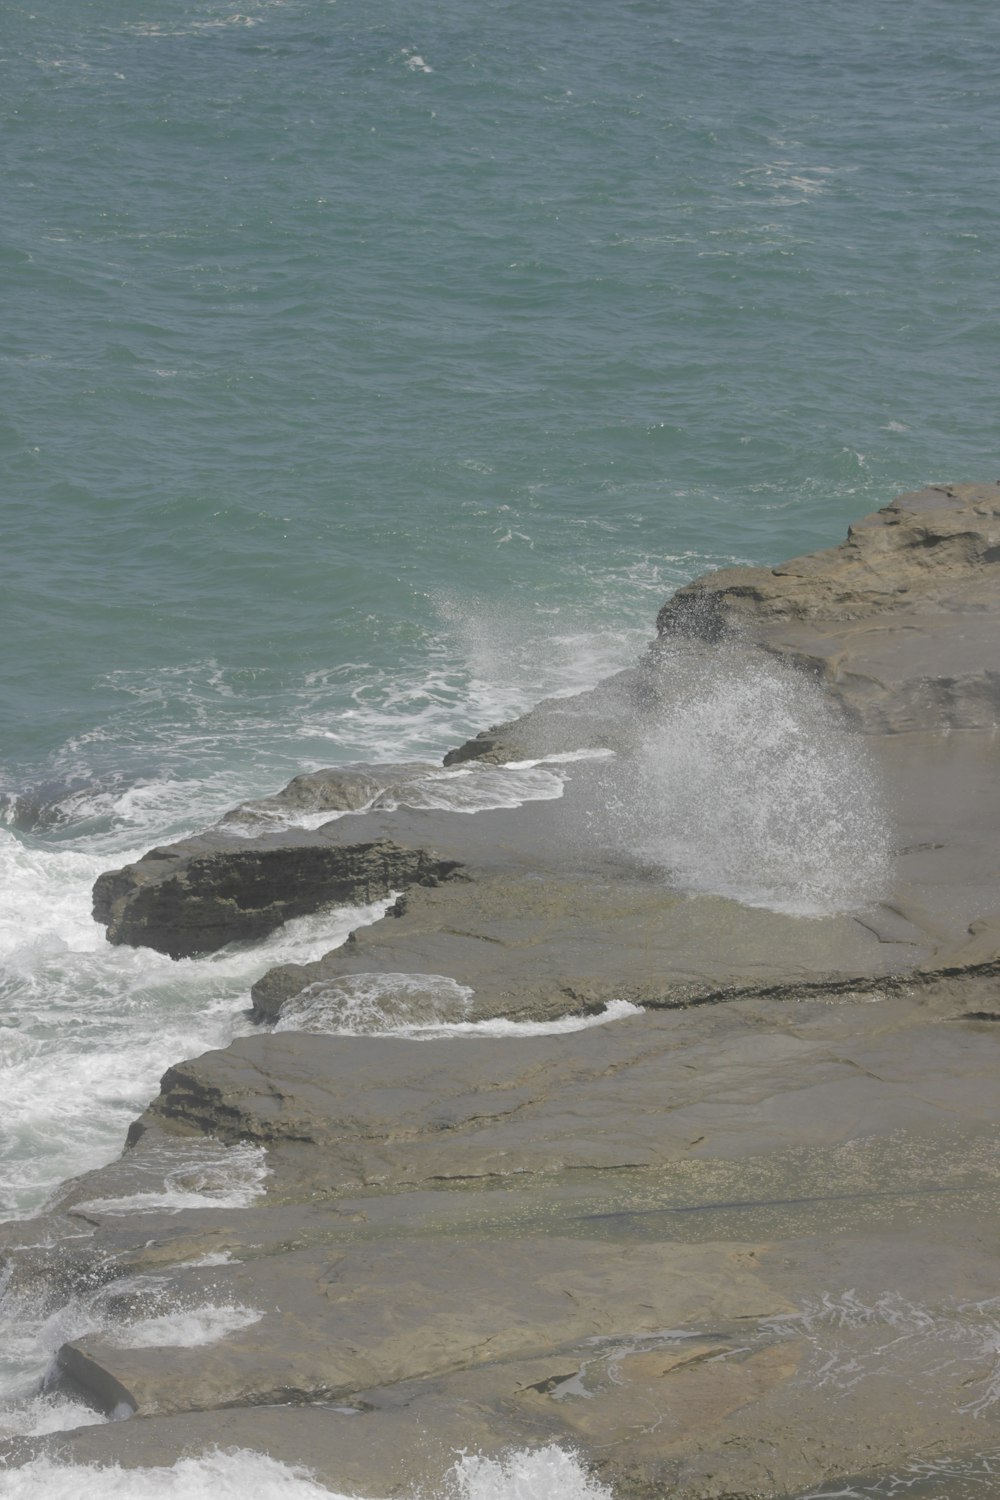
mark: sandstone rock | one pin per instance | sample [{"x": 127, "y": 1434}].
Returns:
[
  {"x": 603, "y": 717},
  {"x": 817, "y": 1210},
  {"x": 900, "y": 621},
  {"x": 539, "y": 946}
]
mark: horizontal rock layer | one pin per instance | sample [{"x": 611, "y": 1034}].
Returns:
[{"x": 735, "y": 1245}]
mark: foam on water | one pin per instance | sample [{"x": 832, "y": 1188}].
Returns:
[
  {"x": 135, "y": 1312},
  {"x": 89, "y": 1028},
  {"x": 465, "y": 789},
  {"x": 376, "y": 1004},
  {"x": 548, "y": 1473},
  {"x": 213, "y": 1476},
  {"x": 31, "y": 1331},
  {"x": 500, "y": 1027},
  {"x": 189, "y": 1174},
  {"x": 423, "y": 1007},
  {"x": 751, "y": 786}
]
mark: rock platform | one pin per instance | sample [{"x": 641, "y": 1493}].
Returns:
[{"x": 733, "y": 1244}]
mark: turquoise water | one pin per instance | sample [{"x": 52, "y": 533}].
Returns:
[{"x": 371, "y": 369}]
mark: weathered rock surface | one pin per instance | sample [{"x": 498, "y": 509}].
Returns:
[
  {"x": 901, "y": 621},
  {"x": 711, "y": 1249},
  {"x": 735, "y": 1245},
  {"x": 634, "y": 1093}
]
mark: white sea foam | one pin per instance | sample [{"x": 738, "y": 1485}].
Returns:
[
  {"x": 751, "y": 786},
  {"x": 31, "y": 1331},
  {"x": 89, "y": 1027},
  {"x": 213, "y": 1476},
  {"x": 37, "y": 1415},
  {"x": 499, "y": 1027},
  {"x": 471, "y": 788},
  {"x": 138, "y": 1311},
  {"x": 547, "y": 1473},
  {"x": 186, "y": 1327},
  {"x": 855, "y": 1340},
  {"x": 376, "y": 1004},
  {"x": 423, "y": 1007},
  {"x": 191, "y": 1174}
]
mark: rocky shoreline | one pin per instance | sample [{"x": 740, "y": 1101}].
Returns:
[{"x": 709, "y": 1243}]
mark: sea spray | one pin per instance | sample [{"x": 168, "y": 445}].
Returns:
[
  {"x": 547, "y": 1473},
  {"x": 747, "y": 782}
]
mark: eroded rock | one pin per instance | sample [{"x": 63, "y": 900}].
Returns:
[
  {"x": 900, "y": 622},
  {"x": 198, "y": 895}
]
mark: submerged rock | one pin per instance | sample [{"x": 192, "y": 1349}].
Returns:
[{"x": 338, "y": 789}]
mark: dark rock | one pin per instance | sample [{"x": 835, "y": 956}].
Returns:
[{"x": 198, "y": 895}]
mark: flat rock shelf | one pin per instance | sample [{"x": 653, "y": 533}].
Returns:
[{"x": 716, "y": 1238}]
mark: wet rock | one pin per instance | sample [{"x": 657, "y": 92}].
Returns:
[
  {"x": 337, "y": 789},
  {"x": 738, "y": 1244},
  {"x": 338, "y": 1321},
  {"x": 538, "y": 946},
  {"x": 202, "y": 893},
  {"x": 725, "y": 1251},
  {"x": 603, "y": 717}
]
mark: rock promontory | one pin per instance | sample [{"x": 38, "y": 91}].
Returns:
[{"x": 695, "y": 1176}]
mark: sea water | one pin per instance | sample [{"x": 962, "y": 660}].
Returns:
[{"x": 371, "y": 371}]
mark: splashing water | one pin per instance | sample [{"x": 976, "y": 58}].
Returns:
[
  {"x": 423, "y": 1007},
  {"x": 545, "y": 1474},
  {"x": 855, "y": 1340},
  {"x": 752, "y": 786},
  {"x": 374, "y": 1004},
  {"x": 187, "y": 1328}
]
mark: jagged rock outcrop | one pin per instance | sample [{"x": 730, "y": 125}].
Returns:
[
  {"x": 202, "y": 893},
  {"x": 901, "y": 621}
]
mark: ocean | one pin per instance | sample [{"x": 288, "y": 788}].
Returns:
[{"x": 372, "y": 370}]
